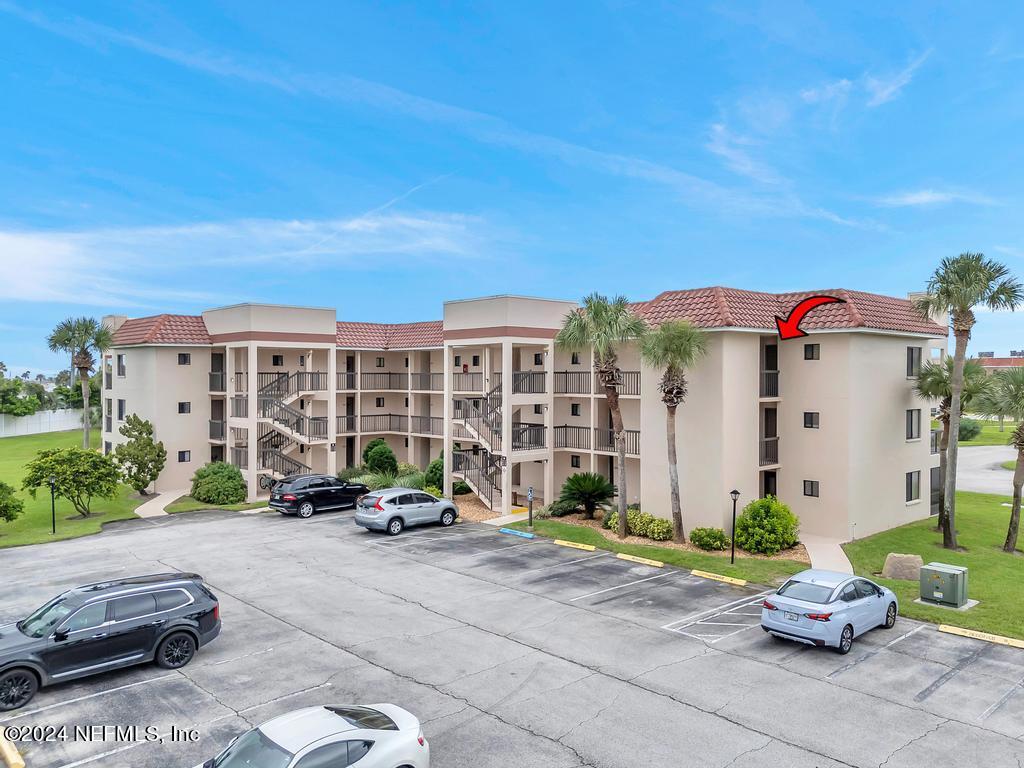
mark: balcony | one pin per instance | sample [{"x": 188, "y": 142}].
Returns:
[
  {"x": 108, "y": 425},
  {"x": 346, "y": 381},
  {"x": 426, "y": 425},
  {"x": 467, "y": 382},
  {"x": 240, "y": 457},
  {"x": 604, "y": 440},
  {"x": 572, "y": 382},
  {"x": 282, "y": 384},
  {"x": 572, "y": 437},
  {"x": 346, "y": 424},
  {"x": 384, "y": 422},
  {"x": 218, "y": 379},
  {"x": 769, "y": 383},
  {"x": 217, "y": 429},
  {"x": 630, "y": 384},
  {"x": 242, "y": 382},
  {"x": 427, "y": 382},
  {"x": 528, "y": 382},
  {"x": 528, "y": 437},
  {"x": 936, "y": 437},
  {"x": 769, "y": 451},
  {"x": 382, "y": 381},
  {"x": 240, "y": 407}
]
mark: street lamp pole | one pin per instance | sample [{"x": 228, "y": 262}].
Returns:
[
  {"x": 53, "y": 506},
  {"x": 735, "y": 496}
]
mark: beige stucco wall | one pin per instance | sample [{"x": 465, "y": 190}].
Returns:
[
  {"x": 241, "y": 318},
  {"x": 502, "y": 311}
]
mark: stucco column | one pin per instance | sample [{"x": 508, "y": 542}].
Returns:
[
  {"x": 229, "y": 388},
  {"x": 332, "y": 411},
  {"x": 506, "y": 426},
  {"x": 251, "y": 421},
  {"x": 359, "y": 407},
  {"x": 446, "y": 410}
]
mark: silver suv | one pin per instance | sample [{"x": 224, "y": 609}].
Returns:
[{"x": 394, "y": 509}]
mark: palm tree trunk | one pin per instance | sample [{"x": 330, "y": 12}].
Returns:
[
  {"x": 943, "y": 448},
  {"x": 86, "y": 419},
  {"x": 612, "y": 395},
  {"x": 1018, "y": 482},
  {"x": 678, "y": 534},
  {"x": 957, "y": 386}
]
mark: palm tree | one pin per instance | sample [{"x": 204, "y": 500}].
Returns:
[
  {"x": 1007, "y": 397},
  {"x": 82, "y": 338},
  {"x": 991, "y": 404},
  {"x": 603, "y": 324},
  {"x": 957, "y": 286},
  {"x": 674, "y": 346},
  {"x": 588, "y": 490},
  {"x": 935, "y": 382}
]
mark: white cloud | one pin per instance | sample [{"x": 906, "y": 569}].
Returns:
[
  {"x": 733, "y": 149},
  {"x": 885, "y": 89},
  {"x": 931, "y": 197},
  {"x": 838, "y": 90}
]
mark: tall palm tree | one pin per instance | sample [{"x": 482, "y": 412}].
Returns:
[
  {"x": 603, "y": 324},
  {"x": 935, "y": 382},
  {"x": 83, "y": 338},
  {"x": 673, "y": 346},
  {"x": 1007, "y": 396},
  {"x": 991, "y": 404},
  {"x": 957, "y": 286}
]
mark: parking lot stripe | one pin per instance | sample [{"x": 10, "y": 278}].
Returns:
[
  {"x": 85, "y": 698},
  {"x": 1002, "y": 700},
  {"x": 417, "y": 539},
  {"x": 622, "y": 586},
  {"x": 567, "y": 562},
  {"x": 717, "y": 609},
  {"x": 498, "y": 550}
]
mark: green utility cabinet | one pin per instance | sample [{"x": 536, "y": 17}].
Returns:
[{"x": 944, "y": 584}]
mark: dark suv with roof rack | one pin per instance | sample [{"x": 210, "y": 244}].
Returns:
[{"x": 164, "y": 617}]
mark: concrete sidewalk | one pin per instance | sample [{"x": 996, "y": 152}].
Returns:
[
  {"x": 826, "y": 553},
  {"x": 156, "y": 506}
]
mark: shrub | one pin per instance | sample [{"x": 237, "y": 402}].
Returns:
[
  {"x": 405, "y": 468},
  {"x": 377, "y": 481},
  {"x": 10, "y": 505},
  {"x": 611, "y": 518},
  {"x": 433, "y": 490},
  {"x": 659, "y": 529},
  {"x": 370, "y": 446},
  {"x": 766, "y": 526},
  {"x": 413, "y": 479},
  {"x": 435, "y": 473},
  {"x": 140, "y": 458},
  {"x": 969, "y": 429},
  {"x": 588, "y": 490},
  {"x": 382, "y": 459},
  {"x": 561, "y": 508},
  {"x": 79, "y": 475},
  {"x": 637, "y": 522},
  {"x": 351, "y": 473},
  {"x": 460, "y": 487},
  {"x": 218, "y": 483},
  {"x": 640, "y": 524},
  {"x": 711, "y": 539}
]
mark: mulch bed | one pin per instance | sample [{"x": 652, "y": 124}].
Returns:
[{"x": 472, "y": 509}]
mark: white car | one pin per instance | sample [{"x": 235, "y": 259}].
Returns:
[{"x": 374, "y": 736}]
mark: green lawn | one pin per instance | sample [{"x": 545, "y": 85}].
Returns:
[
  {"x": 990, "y": 434},
  {"x": 1010, "y": 465},
  {"x": 33, "y": 526},
  {"x": 751, "y": 569},
  {"x": 188, "y": 504},
  {"x": 994, "y": 578}
]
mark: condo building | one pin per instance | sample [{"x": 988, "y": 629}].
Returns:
[{"x": 829, "y": 422}]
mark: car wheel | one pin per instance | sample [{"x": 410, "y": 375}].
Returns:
[
  {"x": 890, "y": 616},
  {"x": 17, "y": 687},
  {"x": 176, "y": 651},
  {"x": 447, "y": 518},
  {"x": 306, "y": 509},
  {"x": 395, "y": 526},
  {"x": 845, "y": 641}
]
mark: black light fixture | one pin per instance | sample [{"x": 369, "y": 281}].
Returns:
[
  {"x": 53, "y": 505},
  {"x": 735, "y": 497}
]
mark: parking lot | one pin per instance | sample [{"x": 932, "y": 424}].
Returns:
[{"x": 512, "y": 652}]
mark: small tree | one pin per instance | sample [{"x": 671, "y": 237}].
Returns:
[
  {"x": 370, "y": 446},
  {"x": 79, "y": 476},
  {"x": 588, "y": 490},
  {"x": 435, "y": 473},
  {"x": 140, "y": 459},
  {"x": 10, "y": 505},
  {"x": 382, "y": 460},
  {"x": 15, "y": 399},
  {"x": 766, "y": 526}
]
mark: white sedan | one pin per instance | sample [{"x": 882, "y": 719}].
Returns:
[{"x": 375, "y": 736}]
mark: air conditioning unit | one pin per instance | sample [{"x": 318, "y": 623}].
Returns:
[{"x": 944, "y": 584}]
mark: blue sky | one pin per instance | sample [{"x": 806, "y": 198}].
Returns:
[{"x": 384, "y": 157}]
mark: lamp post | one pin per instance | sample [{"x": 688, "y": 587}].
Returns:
[
  {"x": 53, "y": 505},
  {"x": 735, "y": 497}
]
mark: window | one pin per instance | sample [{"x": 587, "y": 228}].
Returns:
[
  {"x": 407, "y": 442},
  {"x": 803, "y": 590},
  {"x": 423, "y": 498},
  {"x": 405, "y": 500},
  {"x": 106, "y": 448},
  {"x": 849, "y": 593},
  {"x": 171, "y": 599},
  {"x": 913, "y": 486},
  {"x": 913, "y": 361},
  {"x": 538, "y": 408},
  {"x": 810, "y": 487},
  {"x": 575, "y": 358},
  {"x": 380, "y": 362},
  {"x": 277, "y": 360},
  {"x": 120, "y": 365},
  {"x": 914, "y": 424},
  {"x": 811, "y": 419},
  {"x": 574, "y": 461},
  {"x": 407, "y": 402},
  {"x": 184, "y": 358},
  {"x": 184, "y": 407},
  {"x": 120, "y": 410},
  {"x": 407, "y": 362},
  {"x": 574, "y": 409},
  {"x": 132, "y": 607},
  {"x": 379, "y": 402},
  {"x": 458, "y": 360},
  {"x": 184, "y": 457},
  {"x": 89, "y": 617},
  {"x": 812, "y": 351},
  {"x": 538, "y": 358},
  {"x": 476, "y": 360},
  {"x": 866, "y": 588},
  {"x": 328, "y": 756}
]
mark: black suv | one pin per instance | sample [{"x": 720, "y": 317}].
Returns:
[
  {"x": 164, "y": 618},
  {"x": 303, "y": 495}
]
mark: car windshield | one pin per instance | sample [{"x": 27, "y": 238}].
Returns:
[
  {"x": 46, "y": 618},
  {"x": 803, "y": 590},
  {"x": 253, "y": 750}
]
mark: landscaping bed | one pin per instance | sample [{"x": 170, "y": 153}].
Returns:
[{"x": 472, "y": 510}]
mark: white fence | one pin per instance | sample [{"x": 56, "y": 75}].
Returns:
[{"x": 40, "y": 421}]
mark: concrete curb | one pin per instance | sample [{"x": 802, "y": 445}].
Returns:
[
  {"x": 511, "y": 532},
  {"x": 719, "y": 577},
  {"x": 986, "y": 636},
  {"x": 641, "y": 560},
  {"x": 574, "y": 545},
  {"x": 11, "y": 757}
]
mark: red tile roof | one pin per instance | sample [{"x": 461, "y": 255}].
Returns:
[
  {"x": 162, "y": 329},
  {"x": 389, "y": 335},
  {"x": 1001, "y": 362},
  {"x": 719, "y": 307}
]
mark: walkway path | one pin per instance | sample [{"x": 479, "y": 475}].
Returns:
[
  {"x": 155, "y": 507},
  {"x": 826, "y": 553},
  {"x": 977, "y": 469}
]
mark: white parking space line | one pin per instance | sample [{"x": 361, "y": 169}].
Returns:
[
  {"x": 623, "y": 586},
  {"x": 498, "y": 550},
  {"x": 693, "y": 617},
  {"x": 715, "y": 620},
  {"x": 441, "y": 537},
  {"x": 87, "y": 697},
  {"x": 904, "y": 636},
  {"x": 567, "y": 562}
]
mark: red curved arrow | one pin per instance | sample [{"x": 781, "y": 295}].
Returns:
[{"x": 790, "y": 327}]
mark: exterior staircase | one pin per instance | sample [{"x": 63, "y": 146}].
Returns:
[
  {"x": 482, "y": 473},
  {"x": 282, "y": 426},
  {"x": 483, "y": 421}
]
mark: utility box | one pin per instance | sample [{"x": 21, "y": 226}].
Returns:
[{"x": 944, "y": 584}]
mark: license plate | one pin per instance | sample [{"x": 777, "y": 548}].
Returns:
[{"x": 792, "y": 616}]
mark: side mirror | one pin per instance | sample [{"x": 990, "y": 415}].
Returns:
[{"x": 60, "y": 635}]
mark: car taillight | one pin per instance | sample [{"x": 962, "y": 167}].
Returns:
[
  {"x": 377, "y": 506},
  {"x": 288, "y": 497},
  {"x": 818, "y": 616},
  {"x": 216, "y": 612},
  {"x": 420, "y": 739},
  {"x": 769, "y": 606}
]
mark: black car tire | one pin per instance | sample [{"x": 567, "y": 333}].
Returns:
[
  {"x": 17, "y": 687},
  {"x": 447, "y": 518},
  {"x": 845, "y": 641},
  {"x": 306, "y": 510},
  {"x": 395, "y": 526},
  {"x": 890, "y": 616},
  {"x": 175, "y": 651}
]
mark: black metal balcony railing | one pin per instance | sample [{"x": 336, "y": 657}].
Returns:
[
  {"x": 384, "y": 381},
  {"x": 346, "y": 380},
  {"x": 384, "y": 422},
  {"x": 216, "y": 429},
  {"x": 217, "y": 381},
  {"x": 769, "y": 383},
  {"x": 280, "y": 463},
  {"x": 346, "y": 424},
  {"x": 481, "y": 472},
  {"x": 630, "y": 384},
  {"x": 572, "y": 383},
  {"x": 426, "y": 425},
  {"x": 240, "y": 406},
  {"x": 240, "y": 457},
  {"x": 428, "y": 382},
  {"x": 528, "y": 382},
  {"x": 568, "y": 436},
  {"x": 282, "y": 384},
  {"x": 769, "y": 451},
  {"x": 604, "y": 440},
  {"x": 241, "y": 382},
  {"x": 108, "y": 425},
  {"x": 936, "y": 436},
  {"x": 528, "y": 437},
  {"x": 487, "y": 427},
  {"x": 467, "y": 382}
]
